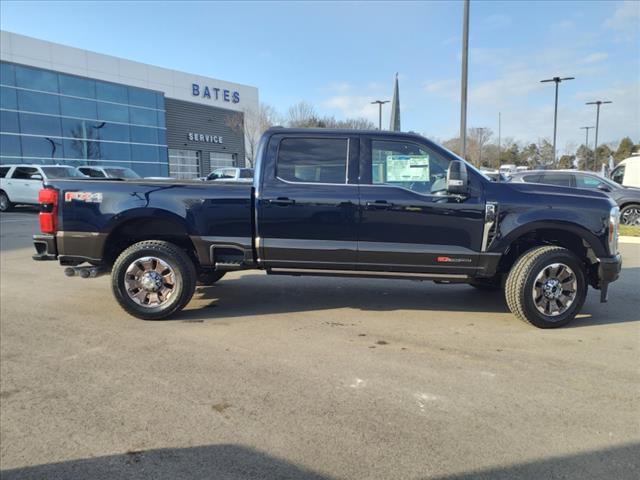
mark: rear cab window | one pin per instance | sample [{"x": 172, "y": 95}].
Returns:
[
  {"x": 4, "y": 171},
  {"x": 313, "y": 160},
  {"x": 61, "y": 172},
  {"x": 92, "y": 172}
]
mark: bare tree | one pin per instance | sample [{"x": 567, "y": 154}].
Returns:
[
  {"x": 478, "y": 137},
  {"x": 253, "y": 123},
  {"x": 303, "y": 114}
]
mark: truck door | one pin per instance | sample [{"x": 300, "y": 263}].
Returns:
[
  {"x": 407, "y": 221},
  {"x": 307, "y": 202}
]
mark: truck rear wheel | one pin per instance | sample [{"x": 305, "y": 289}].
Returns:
[
  {"x": 546, "y": 287},
  {"x": 153, "y": 279}
]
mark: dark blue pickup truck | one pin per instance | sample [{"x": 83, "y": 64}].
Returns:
[{"x": 337, "y": 202}]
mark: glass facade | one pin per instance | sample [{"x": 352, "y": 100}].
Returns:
[{"x": 48, "y": 117}]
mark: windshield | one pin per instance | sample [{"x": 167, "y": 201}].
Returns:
[
  {"x": 121, "y": 172},
  {"x": 61, "y": 172}
]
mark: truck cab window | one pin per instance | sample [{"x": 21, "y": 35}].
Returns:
[
  {"x": 409, "y": 166},
  {"x": 618, "y": 174},
  {"x": 313, "y": 160}
]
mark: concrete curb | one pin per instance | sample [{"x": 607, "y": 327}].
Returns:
[{"x": 625, "y": 239}]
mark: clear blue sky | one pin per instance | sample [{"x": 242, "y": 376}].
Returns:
[{"x": 340, "y": 56}]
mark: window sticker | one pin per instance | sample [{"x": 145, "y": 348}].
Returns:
[{"x": 407, "y": 168}]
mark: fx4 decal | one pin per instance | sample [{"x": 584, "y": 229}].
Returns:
[{"x": 89, "y": 197}]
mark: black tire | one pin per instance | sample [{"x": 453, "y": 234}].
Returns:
[
  {"x": 5, "y": 203},
  {"x": 209, "y": 278},
  {"x": 520, "y": 282},
  {"x": 487, "y": 284},
  {"x": 184, "y": 274},
  {"x": 630, "y": 215}
]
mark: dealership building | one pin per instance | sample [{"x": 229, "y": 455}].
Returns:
[{"x": 64, "y": 105}]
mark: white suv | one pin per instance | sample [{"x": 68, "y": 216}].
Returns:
[{"x": 20, "y": 184}]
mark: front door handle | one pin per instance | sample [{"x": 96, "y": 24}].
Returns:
[
  {"x": 282, "y": 201},
  {"x": 379, "y": 205}
]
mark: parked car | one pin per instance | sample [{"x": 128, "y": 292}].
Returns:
[
  {"x": 507, "y": 169},
  {"x": 109, "y": 172},
  {"x": 20, "y": 184},
  {"x": 230, "y": 174},
  {"x": 340, "y": 203},
  {"x": 627, "y": 172},
  {"x": 628, "y": 199},
  {"x": 115, "y": 172}
]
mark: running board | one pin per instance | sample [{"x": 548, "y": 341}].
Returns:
[{"x": 440, "y": 277}]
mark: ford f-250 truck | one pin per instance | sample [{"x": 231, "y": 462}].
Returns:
[{"x": 338, "y": 202}]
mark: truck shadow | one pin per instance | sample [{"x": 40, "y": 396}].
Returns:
[
  {"x": 237, "y": 462},
  {"x": 259, "y": 294}
]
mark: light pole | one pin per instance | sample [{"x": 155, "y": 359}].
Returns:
[
  {"x": 557, "y": 81},
  {"x": 499, "y": 136},
  {"x": 380, "y": 103},
  {"x": 597, "y": 103},
  {"x": 463, "y": 80},
  {"x": 586, "y": 139}
]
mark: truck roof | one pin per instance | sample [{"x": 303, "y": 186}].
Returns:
[{"x": 343, "y": 131}]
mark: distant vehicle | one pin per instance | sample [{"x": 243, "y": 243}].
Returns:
[
  {"x": 115, "y": 172},
  {"x": 628, "y": 199},
  {"x": 109, "y": 172},
  {"x": 230, "y": 174},
  {"x": 522, "y": 168},
  {"x": 20, "y": 184},
  {"x": 494, "y": 175},
  {"x": 508, "y": 169},
  {"x": 627, "y": 172}
]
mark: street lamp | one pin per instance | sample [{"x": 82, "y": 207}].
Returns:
[
  {"x": 463, "y": 79},
  {"x": 595, "y": 147},
  {"x": 380, "y": 103},
  {"x": 586, "y": 140},
  {"x": 556, "y": 80}
]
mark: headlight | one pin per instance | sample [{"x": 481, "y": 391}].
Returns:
[{"x": 614, "y": 220}]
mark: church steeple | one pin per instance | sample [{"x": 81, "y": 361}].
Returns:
[{"x": 394, "y": 124}]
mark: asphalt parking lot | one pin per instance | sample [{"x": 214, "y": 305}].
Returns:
[{"x": 310, "y": 378}]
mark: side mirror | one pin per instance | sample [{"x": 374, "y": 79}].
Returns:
[
  {"x": 603, "y": 187},
  {"x": 457, "y": 178},
  {"x": 36, "y": 176}
]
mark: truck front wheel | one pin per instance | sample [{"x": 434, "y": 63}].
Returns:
[
  {"x": 546, "y": 287},
  {"x": 153, "y": 279}
]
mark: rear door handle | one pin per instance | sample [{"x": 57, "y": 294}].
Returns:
[
  {"x": 379, "y": 205},
  {"x": 281, "y": 201}
]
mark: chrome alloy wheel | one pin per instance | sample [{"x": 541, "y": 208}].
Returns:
[
  {"x": 630, "y": 216},
  {"x": 554, "y": 289},
  {"x": 150, "y": 282}
]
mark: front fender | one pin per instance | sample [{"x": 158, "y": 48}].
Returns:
[{"x": 589, "y": 225}]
